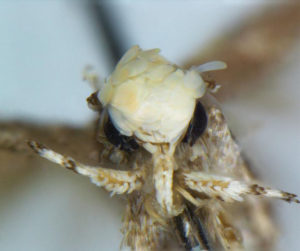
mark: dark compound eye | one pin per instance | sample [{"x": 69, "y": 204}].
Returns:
[
  {"x": 117, "y": 139},
  {"x": 197, "y": 125}
]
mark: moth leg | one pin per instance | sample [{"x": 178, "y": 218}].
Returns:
[
  {"x": 114, "y": 181},
  {"x": 209, "y": 224},
  {"x": 227, "y": 189},
  {"x": 221, "y": 228},
  {"x": 141, "y": 231},
  {"x": 191, "y": 230}
]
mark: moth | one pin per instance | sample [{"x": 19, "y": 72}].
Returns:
[{"x": 169, "y": 151}]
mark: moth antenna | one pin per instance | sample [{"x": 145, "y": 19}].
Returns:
[
  {"x": 211, "y": 66},
  {"x": 91, "y": 77}
]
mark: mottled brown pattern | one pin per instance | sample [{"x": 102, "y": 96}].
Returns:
[
  {"x": 148, "y": 211},
  {"x": 223, "y": 157}
]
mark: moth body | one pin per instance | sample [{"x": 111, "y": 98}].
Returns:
[{"x": 183, "y": 169}]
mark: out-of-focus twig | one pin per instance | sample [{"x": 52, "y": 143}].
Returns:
[
  {"x": 79, "y": 141},
  {"x": 18, "y": 160},
  {"x": 251, "y": 50}
]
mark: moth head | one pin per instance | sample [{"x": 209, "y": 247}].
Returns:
[{"x": 151, "y": 99}]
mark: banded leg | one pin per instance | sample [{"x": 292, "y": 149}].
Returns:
[
  {"x": 114, "y": 181},
  {"x": 227, "y": 189}
]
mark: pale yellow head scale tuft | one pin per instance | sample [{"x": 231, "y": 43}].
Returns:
[{"x": 151, "y": 98}]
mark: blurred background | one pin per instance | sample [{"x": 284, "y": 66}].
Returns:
[{"x": 44, "y": 47}]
